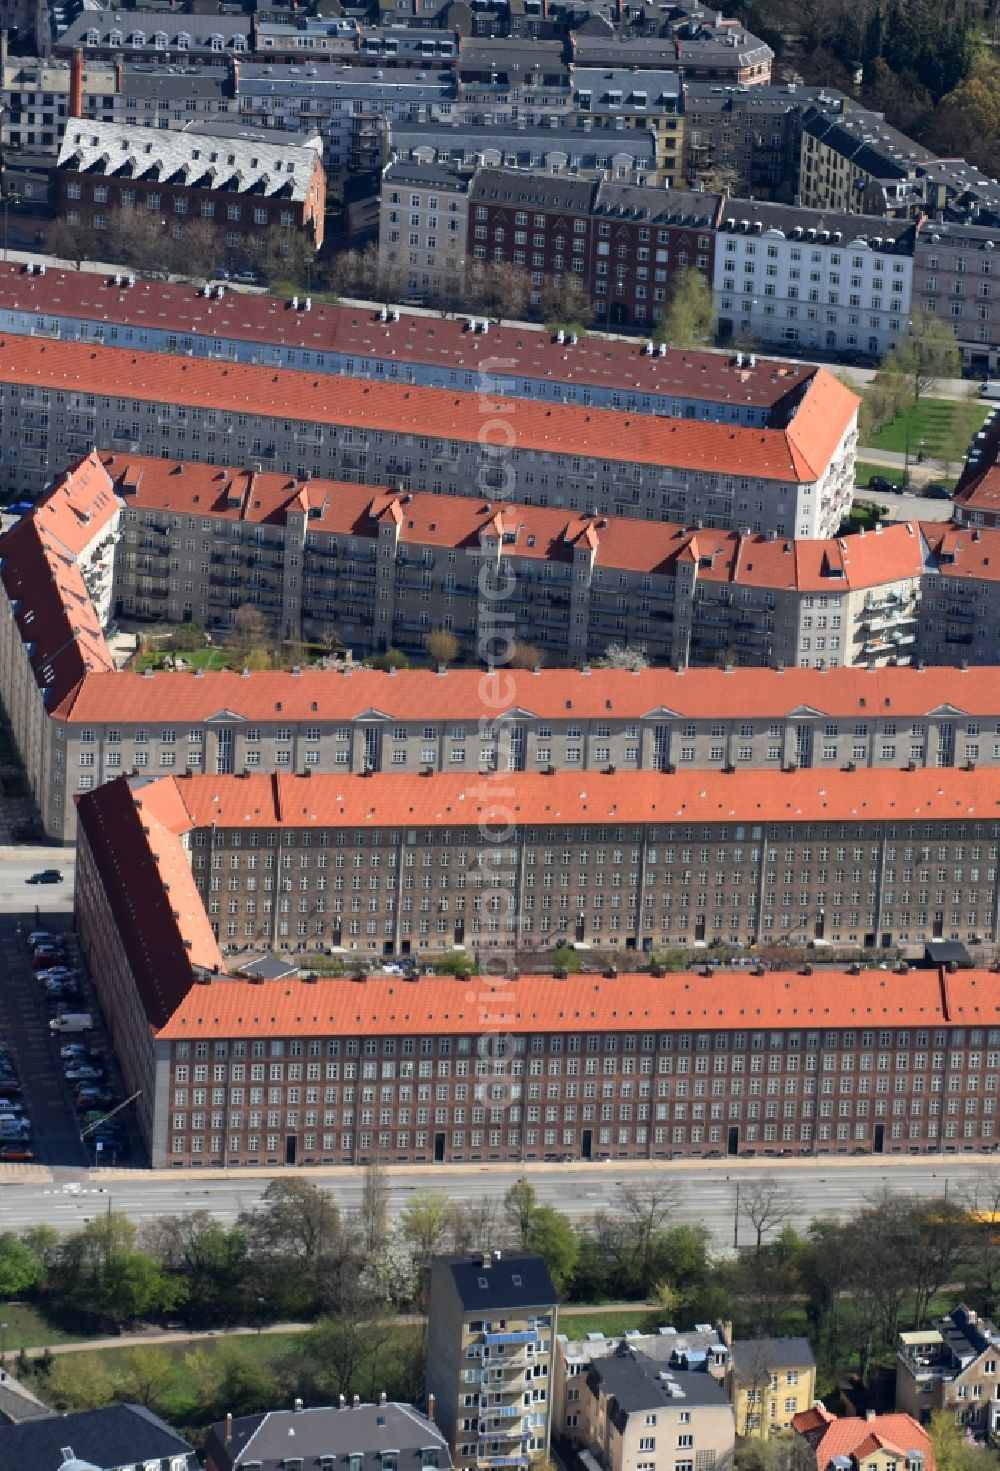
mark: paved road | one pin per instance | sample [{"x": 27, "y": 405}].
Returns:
[{"x": 831, "y": 1186}]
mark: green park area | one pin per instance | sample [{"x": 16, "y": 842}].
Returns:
[{"x": 938, "y": 428}]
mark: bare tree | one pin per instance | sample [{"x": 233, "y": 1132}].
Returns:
[
  {"x": 373, "y": 1211},
  {"x": 72, "y": 242},
  {"x": 767, "y": 1206}
]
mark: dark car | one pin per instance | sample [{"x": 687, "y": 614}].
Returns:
[
  {"x": 11, "y": 1153},
  {"x": 937, "y": 491},
  {"x": 46, "y": 876},
  {"x": 879, "y": 482}
]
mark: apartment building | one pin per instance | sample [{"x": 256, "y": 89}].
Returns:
[
  {"x": 423, "y": 228},
  {"x": 797, "y": 478},
  {"x": 977, "y": 494},
  {"x": 632, "y": 1066},
  {"x": 748, "y": 134},
  {"x": 853, "y": 161},
  {"x": 349, "y": 106},
  {"x": 840, "y": 282},
  {"x": 629, "y": 157},
  {"x": 621, "y": 243},
  {"x": 951, "y": 1367},
  {"x": 874, "y": 1443},
  {"x": 324, "y": 1436},
  {"x": 636, "y": 1399},
  {"x": 36, "y": 98},
  {"x": 704, "y": 48},
  {"x": 769, "y": 1381},
  {"x": 157, "y": 35},
  {"x": 491, "y": 1327},
  {"x": 619, "y": 100},
  {"x": 242, "y": 184},
  {"x": 953, "y": 278},
  {"x": 372, "y": 343},
  {"x": 882, "y": 880}
]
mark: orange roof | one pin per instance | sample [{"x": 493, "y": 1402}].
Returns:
[
  {"x": 540, "y": 533},
  {"x": 78, "y": 506},
  {"x": 389, "y": 1006},
  {"x": 768, "y": 454},
  {"x": 455, "y": 799},
  {"x": 359, "y": 332},
  {"x": 858, "y": 1439},
  {"x": 551, "y": 694}
]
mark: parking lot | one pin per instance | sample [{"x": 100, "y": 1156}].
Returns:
[{"x": 42, "y": 1110}]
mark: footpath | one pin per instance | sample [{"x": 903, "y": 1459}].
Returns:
[{"x": 155, "y": 1337}]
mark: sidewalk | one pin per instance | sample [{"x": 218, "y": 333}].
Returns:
[{"x": 154, "y": 1337}]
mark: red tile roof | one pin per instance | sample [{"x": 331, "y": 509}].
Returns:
[
  {"x": 455, "y": 799},
  {"x": 358, "y": 331},
  {"x": 551, "y": 694},
  {"x": 541, "y": 533},
  {"x": 441, "y": 1004},
  {"x": 858, "y": 1439},
  {"x": 80, "y": 504},
  {"x": 768, "y": 454}
]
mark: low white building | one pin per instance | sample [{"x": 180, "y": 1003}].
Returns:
[{"x": 835, "y": 282}]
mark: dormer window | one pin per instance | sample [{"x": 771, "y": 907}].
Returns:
[
  {"x": 183, "y": 41},
  {"x": 137, "y": 38},
  {"x": 215, "y": 43},
  {"x": 239, "y": 43},
  {"x": 160, "y": 40},
  {"x": 356, "y": 1461},
  {"x": 93, "y": 37},
  {"x": 115, "y": 38},
  {"x": 390, "y": 1461},
  {"x": 429, "y": 1456}
]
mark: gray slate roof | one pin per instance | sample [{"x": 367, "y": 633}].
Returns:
[
  {"x": 195, "y": 156},
  {"x": 640, "y": 1383},
  {"x": 367, "y": 1430},
  {"x": 546, "y": 191},
  {"x": 752, "y": 1356},
  {"x": 118, "y": 1435},
  {"x": 510, "y": 1279},
  {"x": 200, "y": 28}
]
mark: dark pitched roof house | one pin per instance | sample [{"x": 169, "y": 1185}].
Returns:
[
  {"x": 359, "y": 1437},
  {"x": 108, "y": 1440}
]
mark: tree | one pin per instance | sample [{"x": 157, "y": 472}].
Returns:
[
  {"x": 551, "y": 1234},
  {"x": 624, "y": 656},
  {"x": 766, "y": 1205},
  {"x": 390, "y": 659},
  {"x": 21, "y": 1268},
  {"x": 79, "y": 1381},
  {"x": 519, "y": 1205},
  {"x": 139, "y": 239},
  {"x": 210, "y": 1257},
  {"x": 295, "y": 1243},
  {"x": 442, "y": 646},
  {"x": 566, "y": 302},
  {"x": 500, "y": 290},
  {"x": 200, "y": 251},
  {"x": 424, "y": 1224},
  {"x": 72, "y": 242},
  {"x": 101, "y": 1273},
  {"x": 689, "y": 320},
  {"x": 148, "y": 1375},
  {"x": 373, "y": 1212},
  {"x": 526, "y": 656},
  {"x": 926, "y": 352},
  {"x": 952, "y": 1450},
  {"x": 248, "y": 636},
  {"x": 475, "y": 1226}
]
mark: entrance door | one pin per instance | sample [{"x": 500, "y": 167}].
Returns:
[
  {"x": 373, "y": 748},
  {"x": 733, "y": 1142},
  {"x": 939, "y": 925},
  {"x": 587, "y": 1145},
  {"x": 290, "y": 1144},
  {"x": 880, "y": 1138},
  {"x": 224, "y": 753},
  {"x": 819, "y": 928},
  {"x": 699, "y": 929},
  {"x": 438, "y": 1149}
]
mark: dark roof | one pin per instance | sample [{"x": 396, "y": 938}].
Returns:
[
  {"x": 269, "y": 968},
  {"x": 638, "y": 1383},
  {"x": 944, "y": 952},
  {"x": 369, "y": 1430},
  {"x": 787, "y": 217},
  {"x": 118, "y": 1435},
  {"x": 510, "y": 1279},
  {"x": 754, "y": 1355},
  {"x": 434, "y": 175},
  {"x": 540, "y": 190}
]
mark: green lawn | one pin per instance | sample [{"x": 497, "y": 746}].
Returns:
[
  {"x": 199, "y": 659},
  {"x": 611, "y": 1321},
  {"x": 28, "y": 1328},
  {"x": 863, "y": 472},
  {"x": 939, "y": 427}
]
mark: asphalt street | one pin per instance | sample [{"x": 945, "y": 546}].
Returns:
[{"x": 707, "y": 1191}]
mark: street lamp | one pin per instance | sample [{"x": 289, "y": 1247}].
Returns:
[{"x": 3, "y": 1343}]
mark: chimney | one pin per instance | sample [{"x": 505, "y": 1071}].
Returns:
[
  {"x": 356, "y": 1401},
  {"x": 726, "y": 1333},
  {"x": 297, "y": 1406},
  {"x": 229, "y": 1429},
  {"x": 870, "y": 1414},
  {"x": 76, "y": 83},
  {"x": 382, "y": 1398},
  {"x": 119, "y": 77},
  {"x": 431, "y": 1402},
  {"x": 342, "y": 1402}
]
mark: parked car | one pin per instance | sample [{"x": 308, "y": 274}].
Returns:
[
  {"x": 881, "y": 483},
  {"x": 46, "y": 876},
  {"x": 57, "y": 973},
  {"x": 41, "y": 937},
  {"x": 75, "y": 1049},
  {"x": 83, "y": 1072},
  {"x": 937, "y": 491},
  {"x": 9, "y": 1089},
  {"x": 247, "y": 278},
  {"x": 15, "y": 1153}
]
